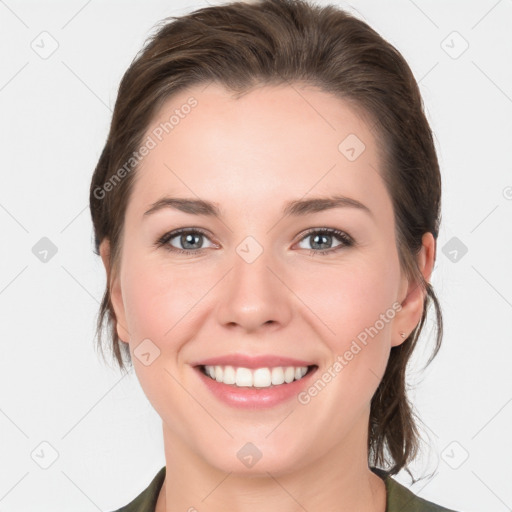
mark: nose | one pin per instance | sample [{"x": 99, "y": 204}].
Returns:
[{"x": 254, "y": 294}]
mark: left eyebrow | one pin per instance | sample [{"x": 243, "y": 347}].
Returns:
[
  {"x": 298, "y": 207},
  {"x": 318, "y": 204}
]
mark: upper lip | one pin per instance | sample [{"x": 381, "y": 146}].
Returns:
[{"x": 245, "y": 361}]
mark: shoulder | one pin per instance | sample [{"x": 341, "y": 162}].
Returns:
[
  {"x": 146, "y": 500},
  {"x": 400, "y": 498}
]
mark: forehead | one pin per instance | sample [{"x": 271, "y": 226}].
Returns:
[{"x": 273, "y": 141}]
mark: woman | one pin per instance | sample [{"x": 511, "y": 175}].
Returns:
[{"x": 266, "y": 207}]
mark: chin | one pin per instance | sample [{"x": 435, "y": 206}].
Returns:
[{"x": 255, "y": 459}]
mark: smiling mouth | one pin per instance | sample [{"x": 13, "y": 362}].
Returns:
[{"x": 258, "y": 377}]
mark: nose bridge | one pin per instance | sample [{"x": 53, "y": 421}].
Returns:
[{"x": 253, "y": 296}]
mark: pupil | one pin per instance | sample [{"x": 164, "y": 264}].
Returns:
[
  {"x": 324, "y": 237},
  {"x": 189, "y": 238}
]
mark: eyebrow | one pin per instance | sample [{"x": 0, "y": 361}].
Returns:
[{"x": 298, "y": 207}]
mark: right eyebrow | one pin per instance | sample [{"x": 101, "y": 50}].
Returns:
[{"x": 193, "y": 206}]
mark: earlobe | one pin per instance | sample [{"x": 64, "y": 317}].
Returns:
[
  {"x": 412, "y": 304},
  {"x": 116, "y": 297}
]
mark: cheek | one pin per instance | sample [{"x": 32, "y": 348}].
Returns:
[
  {"x": 350, "y": 299},
  {"x": 342, "y": 301},
  {"x": 161, "y": 300},
  {"x": 159, "y": 305},
  {"x": 355, "y": 302},
  {"x": 151, "y": 303}
]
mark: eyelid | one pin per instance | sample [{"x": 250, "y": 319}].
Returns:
[
  {"x": 169, "y": 235},
  {"x": 346, "y": 240},
  {"x": 333, "y": 231}
]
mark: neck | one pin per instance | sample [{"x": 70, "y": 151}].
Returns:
[{"x": 338, "y": 480}]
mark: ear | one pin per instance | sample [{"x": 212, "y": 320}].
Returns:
[
  {"x": 116, "y": 297},
  {"x": 412, "y": 294}
]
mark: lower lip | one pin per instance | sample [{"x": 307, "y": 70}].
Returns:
[{"x": 255, "y": 398}]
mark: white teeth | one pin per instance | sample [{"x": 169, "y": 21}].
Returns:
[
  {"x": 289, "y": 374},
  {"x": 229, "y": 376},
  {"x": 258, "y": 378},
  {"x": 243, "y": 377},
  {"x": 278, "y": 376}
]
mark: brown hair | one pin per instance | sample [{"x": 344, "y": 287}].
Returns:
[{"x": 240, "y": 46}]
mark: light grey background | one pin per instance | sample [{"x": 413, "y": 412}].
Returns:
[{"x": 54, "y": 388}]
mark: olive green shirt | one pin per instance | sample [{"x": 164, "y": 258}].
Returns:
[{"x": 398, "y": 497}]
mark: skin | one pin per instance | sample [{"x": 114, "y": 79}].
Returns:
[{"x": 251, "y": 155}]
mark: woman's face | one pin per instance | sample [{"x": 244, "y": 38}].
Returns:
[{"x": 261, "y": 277}]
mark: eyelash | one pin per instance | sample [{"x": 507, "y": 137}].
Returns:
[{"x": 347, "y": 241}]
